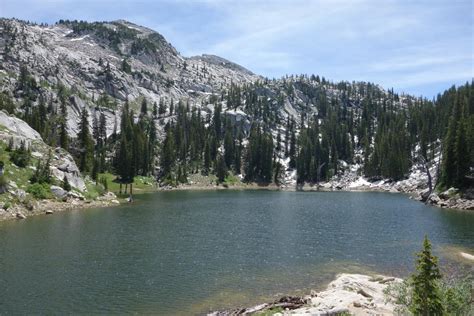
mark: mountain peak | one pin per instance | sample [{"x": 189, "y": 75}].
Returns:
[{"x": 217, "y": 60}]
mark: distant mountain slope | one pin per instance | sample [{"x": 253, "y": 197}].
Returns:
[{"x": 117, "y": 59}]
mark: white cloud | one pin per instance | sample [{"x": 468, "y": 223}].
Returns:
[{"x": 395, "y": 43}]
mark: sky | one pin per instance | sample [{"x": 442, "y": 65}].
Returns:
[{"x": 418, "y": 47}]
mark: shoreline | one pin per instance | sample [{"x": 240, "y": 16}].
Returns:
[
  {"x": 435, "y": 199},
  {"x": 50, "y": 207},
  {"x": 47, "y": 207},
  {"x": 348, "y": 293}
]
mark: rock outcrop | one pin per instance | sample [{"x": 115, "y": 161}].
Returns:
[
  {"x": 354, "y": 294},
  {"x": 351, "y": 293},
  {"x": 15, "y": 130},
  {"x": 18, "y": 128}
]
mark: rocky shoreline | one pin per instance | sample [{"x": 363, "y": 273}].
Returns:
[
  {"x": 48, "y": 207},
  {"x": 347, "y": 294},
  {"x": 415, "y": 186},
  {"x": 355, "y": 294},
  {"x": 449, "y": 199}
]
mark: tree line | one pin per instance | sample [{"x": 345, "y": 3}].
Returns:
[{"x": 358, "y": 125}]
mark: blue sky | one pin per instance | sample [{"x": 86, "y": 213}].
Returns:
[{"x": 419, "y": 47}]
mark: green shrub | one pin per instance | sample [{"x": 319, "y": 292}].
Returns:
[
  {"x": 93, "y": 191},
  {"x": 7, "y": 205},
  {"x": 231, "y": 179},
  {"x": 39, "y": 190},
  {"x": 21, "y": 156},
  {"x": 456, "y": 297},
  {"x": 42, "y": 173},
  {"x": 104, "y": 182},
  {"x": 10, "y": 145}
]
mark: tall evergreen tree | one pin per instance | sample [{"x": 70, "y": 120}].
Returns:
[
  {"x": 86, "y": 144},
  {"x": 63, "y": 135},
  {"x": 426, "y": 293}
]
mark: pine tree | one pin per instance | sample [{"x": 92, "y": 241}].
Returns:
[
  {"x": 124, "y": 160},
  {"x": 162, "y": 107},
  {"x": 95, "y": 170},
  {"x": 151, "y": 145},
  {"x": 86, "y": 144},
  {"x": 458, "y": 155},
  {"x": 292, "y": 150},
  {"x": 63, "y": 135},
  {"x": 155, "y": 110},
  {"x": 207, "y": 158},
  {"x": 229, "y": 146},
  {"x": 126, "y": 67},
  {"x": 238, "y": 154},
  {"x": 144, "y": 108},
  {"x": 259, "y": 156},
  {"x": 171, "y": 107},
  {"x": 21, "y": 156},
  {"x": 426, "y": 298},
  {"x": 66, "y": 186},
  {"x": 216, "y": 121},
  {"x": 168, "y": 155},
  {"x": 221, "y": 169},
  {"x": 462, "y": 155}
]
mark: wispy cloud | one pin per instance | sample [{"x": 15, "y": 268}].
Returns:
[{"x": 414, "y": 46}]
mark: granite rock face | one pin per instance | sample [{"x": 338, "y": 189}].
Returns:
[
  {"x": 62, "y": 164},
  {"x": 90, "y": 67}
]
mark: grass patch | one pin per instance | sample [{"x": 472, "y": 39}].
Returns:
[
  {"x": 140, "y": 183},
  {"x": 21, "y": 176},
  {"x": 93, "y": 191}
]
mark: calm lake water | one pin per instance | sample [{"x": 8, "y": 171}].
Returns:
[{"x": 190, "y": 252}]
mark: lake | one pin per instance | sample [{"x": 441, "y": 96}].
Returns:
[{"x": 188, "y": 252}]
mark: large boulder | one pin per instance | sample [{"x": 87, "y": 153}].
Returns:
[
  {"x": 63, "y": 165},
  {"x": 58, "y": 191},
  {"x": 239, "y": 118},
  {"x": 17, "y": 131},
  {"x": 18, "y": 127},
  {"x": 449, "y": 193}
]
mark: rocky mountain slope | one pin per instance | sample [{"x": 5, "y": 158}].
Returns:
[
  {"x": 109, "y": 62},
  {"x": 88, "y": 59}
]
